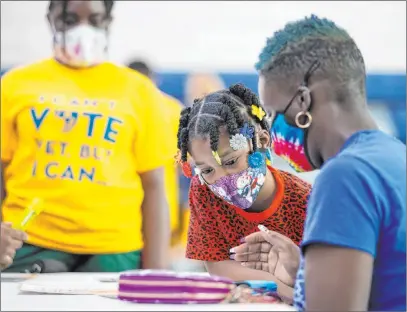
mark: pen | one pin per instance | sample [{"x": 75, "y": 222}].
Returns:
[{"x": 30, "y": 212}]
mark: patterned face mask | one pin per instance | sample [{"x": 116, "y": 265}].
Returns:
[
  {"x": 240, "y": 189},
  {"x": 81, "y": 46},
  {"x": 288, "y": 143}
]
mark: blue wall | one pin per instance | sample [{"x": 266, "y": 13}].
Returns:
[
  {"x": 379, "y": 87},
  {"x": 389, "y": 90}
]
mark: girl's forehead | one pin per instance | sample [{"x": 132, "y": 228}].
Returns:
[
  {"x": 203, "y": 142},
  {"x": 201, "y": 151}
]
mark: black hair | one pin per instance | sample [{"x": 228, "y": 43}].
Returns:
[
  {"x": 229, "y": 107},
  {"x": 108, "y": 5},
  {"x": 295, "y": 47},
  {"x": 141, "y": 67}
]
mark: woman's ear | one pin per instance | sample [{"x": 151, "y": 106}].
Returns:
[
  {"x": 304, "y": 98},
  {"x": 264, "y": 138}
]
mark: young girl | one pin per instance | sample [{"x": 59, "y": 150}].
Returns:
[{"x": 233, "y": 190}]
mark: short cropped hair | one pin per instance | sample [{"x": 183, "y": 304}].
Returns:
[{"x": 292, "y": 50}]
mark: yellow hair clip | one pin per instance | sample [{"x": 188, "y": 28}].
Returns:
[
  {"x": 258, "y": 112},
  {"x": 30, "y": 212},
  {"x": 217, "y": 158}
]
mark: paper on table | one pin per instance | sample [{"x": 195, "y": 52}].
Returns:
[
  {"x": 68, "y": 286},
  {"x": 109, "y": 278},
  {"x": 16, "y": 277}
]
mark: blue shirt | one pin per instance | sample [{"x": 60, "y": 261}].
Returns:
[{"x": 359, "y": 202}]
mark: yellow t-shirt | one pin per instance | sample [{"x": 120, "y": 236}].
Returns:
[
  {"x": 78, "y": 140},
  {"x": 172, "y": 109}
]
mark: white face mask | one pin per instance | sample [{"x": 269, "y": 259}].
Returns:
[{"x": 84, "y": 46}]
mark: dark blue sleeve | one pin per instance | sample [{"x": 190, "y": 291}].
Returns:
[{"x": 345, "y": 206}]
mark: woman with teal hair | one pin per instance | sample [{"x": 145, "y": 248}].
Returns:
[{"x": 353, "y": 253}]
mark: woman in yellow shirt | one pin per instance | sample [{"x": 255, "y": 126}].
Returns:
[{"x": 85, "y": 137}]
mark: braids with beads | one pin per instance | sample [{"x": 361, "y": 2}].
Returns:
[
  {"x": 230, "y": 107},
  {"x": 249, "y": 98}
]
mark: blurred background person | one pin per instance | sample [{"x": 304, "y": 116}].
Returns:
[
  {"x": 198, "y": 85},
  {"x": 176, "y": 184},
  {"x": 142, "y": 67},
  {"x": 171, "y": 110},
  {"x": 87, "y": 138}
]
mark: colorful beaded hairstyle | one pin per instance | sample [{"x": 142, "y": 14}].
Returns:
[{"x": 237, "y": 108}]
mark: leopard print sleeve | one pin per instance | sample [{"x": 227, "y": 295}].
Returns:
[{"x": 205, "y": 241}]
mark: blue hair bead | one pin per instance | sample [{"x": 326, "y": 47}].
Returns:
[{"x": 256, "y": 160}]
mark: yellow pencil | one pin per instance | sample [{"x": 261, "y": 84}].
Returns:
[{"x": 30, "y": 212}]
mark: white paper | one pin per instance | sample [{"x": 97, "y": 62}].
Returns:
[
  {"x": 16, "y": 277},
  {"x": 68, "y": 285},
  {"x": 109, "y": 278}
]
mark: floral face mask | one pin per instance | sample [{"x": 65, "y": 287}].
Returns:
[{"x": 240, "y": 189}]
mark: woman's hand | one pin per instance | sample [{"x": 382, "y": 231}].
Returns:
[{"x": 270, "y": 251}]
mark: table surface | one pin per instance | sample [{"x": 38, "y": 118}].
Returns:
[{"x": 12, "y": 299}]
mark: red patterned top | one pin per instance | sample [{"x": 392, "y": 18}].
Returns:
[{"x": 216, "y": 226}]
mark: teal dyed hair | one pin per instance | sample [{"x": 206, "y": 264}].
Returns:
[
  {"x": 309, "y": 27},
  {"x": 292, "y": 50}
]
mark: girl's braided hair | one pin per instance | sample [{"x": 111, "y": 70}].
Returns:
[{"x": 230, "y": 107}]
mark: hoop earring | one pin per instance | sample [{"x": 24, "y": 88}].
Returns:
[{"x": 307, "y": 124}]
